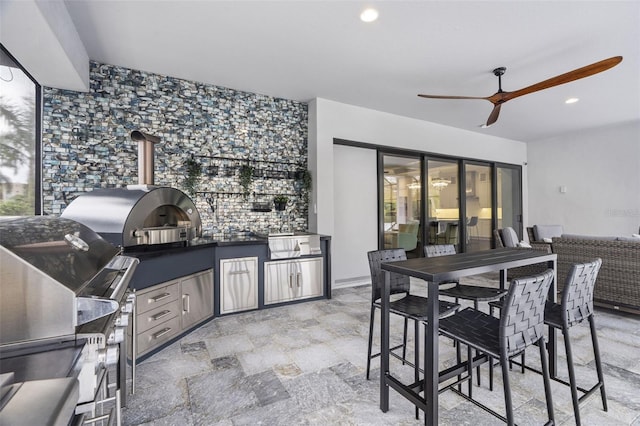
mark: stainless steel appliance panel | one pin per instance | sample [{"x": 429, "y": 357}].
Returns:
[
  {"x": 292, "y": 279},
  {"x": 158, "y": 296},
  {"x": 238, "y": 284},
  {"x": 157, "y": 335},
  {"x": 197, "y": 298},
  {"x": 38, "y": 310}
]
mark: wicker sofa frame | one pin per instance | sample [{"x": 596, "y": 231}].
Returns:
[{"x": 618, "y": 284}]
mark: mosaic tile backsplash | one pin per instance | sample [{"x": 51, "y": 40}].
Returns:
[{"x": 87, "y": 144}]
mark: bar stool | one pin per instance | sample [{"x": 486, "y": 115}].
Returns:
[
  {"x": 575, "y": 307},
  {"x": 465, "y": 292},
  {"x": 520, "y": 326},
  {"x": 409, "y": 306}
]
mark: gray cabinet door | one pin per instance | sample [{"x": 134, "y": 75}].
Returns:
[{"x": 197, "y": 298}]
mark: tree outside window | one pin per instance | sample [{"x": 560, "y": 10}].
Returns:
[{"x": 18, "y": 139}]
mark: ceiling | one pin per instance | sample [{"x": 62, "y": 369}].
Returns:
[{"x": 303, "y": 49}]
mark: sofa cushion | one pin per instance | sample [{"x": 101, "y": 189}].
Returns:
[
  {"x": 629, "y": 239},
  {"x": 509, "y": 237},
  {"x": 588, "y": 237},
  {"x": 546, "y": 231}
]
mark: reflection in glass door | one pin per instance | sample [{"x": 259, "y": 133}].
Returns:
[
  {"x": 509, "y": 198},
  {"x": 402, "y": 204},
  {"x": 479, "y": 217},
  {"x": 443, "y": 206}
]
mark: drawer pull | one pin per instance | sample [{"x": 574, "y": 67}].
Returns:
[
  {"x": 159, "y": 315},
  {"x": 161, "y": 333},
  {"x": 159, "y": 297},
  {"x": 186, "y": 307}
]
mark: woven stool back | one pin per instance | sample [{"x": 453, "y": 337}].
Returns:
[
  {"x": 399, "y": 283},
  {"x": 577, "y": 295},
  {"x": 522, "y": 318}
]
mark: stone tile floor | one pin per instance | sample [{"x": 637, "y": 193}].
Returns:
[{"x": 305, "y": 364}]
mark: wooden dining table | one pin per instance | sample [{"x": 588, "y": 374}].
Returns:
[{"x": 436, "y": 270}]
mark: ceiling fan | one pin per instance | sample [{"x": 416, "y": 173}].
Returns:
[{"x": 500, "y": 97}]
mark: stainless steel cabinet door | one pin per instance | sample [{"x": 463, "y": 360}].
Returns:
[
  {"x": 292, "y": 279},
  {"x": 238, "y": 284},
  {"x": 197, "y": 298}
]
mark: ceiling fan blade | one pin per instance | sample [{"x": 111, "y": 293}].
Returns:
[
  {"x": 570, "y": 76},
  {"x": 493, "y": 117},
  {"x": 452, "y": 97}
]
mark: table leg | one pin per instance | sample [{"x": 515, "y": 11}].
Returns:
[
  {"x": 431, "y": 376},
  {"x": 384, "y": 343},
  {"x": 551, "y": 345},
  {"x": 503, "y": 279}
]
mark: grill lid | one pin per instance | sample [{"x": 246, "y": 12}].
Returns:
[
  {"x": 56, "y": 274},
  {"x": 67, "y": 251}
]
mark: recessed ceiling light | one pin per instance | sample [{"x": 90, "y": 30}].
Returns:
[
  {"x": 369, "y": 15},
  {"x": 571, "y": 101}
]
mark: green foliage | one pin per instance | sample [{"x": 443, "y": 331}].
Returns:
[
  {"x": 307, "y": 184},
  {"x": 16, "y": 206},
  {"x": 194, "y": 171},
  {"x": 246, "y": 177},
  {"x": 280, "y": 199}
]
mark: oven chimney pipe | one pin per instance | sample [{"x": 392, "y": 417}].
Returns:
[{"x": 145, "y": 156}]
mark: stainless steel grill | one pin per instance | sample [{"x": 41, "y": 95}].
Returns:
[
  {"x": 63, "y": 302},
  {"x": 291, "y": 245}
]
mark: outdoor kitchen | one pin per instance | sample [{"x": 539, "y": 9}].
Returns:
[{"x": 207, "y": 207}]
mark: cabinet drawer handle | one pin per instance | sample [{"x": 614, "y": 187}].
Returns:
[
  {"x": 159, "y": 297},
  {"x": 290, "y": 280},
  {"x": 159, "y": 315},
  {"x": 161, "y": 333},
  {"x": 298, "y": 279},
  {"x": 186, "y": 307}
]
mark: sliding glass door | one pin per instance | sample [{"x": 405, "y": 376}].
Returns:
[
  {"x": 478, "y": 206},
  {"x": 509, "y": 198},
  {"x": 402, "y": 203},
  {"x": 427, "y": 200},
  {"x": 443, "y": 202}
]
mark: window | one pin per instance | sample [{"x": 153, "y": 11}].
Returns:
[
  {"x": 19, "y": 139},
  {"x": 402, "y": 208}
]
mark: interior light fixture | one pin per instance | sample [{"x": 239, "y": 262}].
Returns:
[
  {"x": 439, "y": 183},
  {"x": 571, "y": 101},
  {"x": 369, "y": 15}
]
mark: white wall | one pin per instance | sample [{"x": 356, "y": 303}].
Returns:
[
  {"x": 601, "y": 171},
  {"x": 329, "y": 120},
  {"x": 355, "y": 191},
  {"x": 41, "y": 36}
]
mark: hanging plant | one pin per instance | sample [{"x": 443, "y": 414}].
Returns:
[
  {"x": 194, "y": 172},
  {"x": 246, "y": 177},
  {"x": 306, "y": 185},
  {"x": 280, "y": 202}
]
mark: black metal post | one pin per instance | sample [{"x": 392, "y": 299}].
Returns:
[{"x": 384, "y": 344}]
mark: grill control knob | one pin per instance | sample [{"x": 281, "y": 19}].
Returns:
[
  {"x": 127, "y": 307},
  {"x": 109, "y": 355},
  {"x": 117, "y": 335},
  {"x": 123, "y": 320}
]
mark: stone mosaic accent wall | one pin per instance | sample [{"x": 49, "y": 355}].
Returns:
[{"x": 87, "y": 145}]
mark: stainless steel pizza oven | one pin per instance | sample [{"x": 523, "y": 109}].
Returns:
[
  {"x": 141, "y": 214},
  {"x": 131, "y": 217}
]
